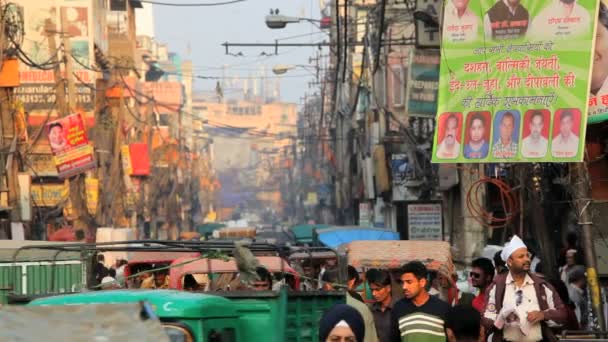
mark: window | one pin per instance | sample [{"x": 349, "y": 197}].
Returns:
[
  {"x": 397, "y": 88},
  {"x": 178, "y": 333},
  {"x": 225, "y": 335}
]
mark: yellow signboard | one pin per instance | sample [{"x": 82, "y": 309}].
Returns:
[
  {"x": 92, "y": 190},
  {"x": 48, "y": 195}
]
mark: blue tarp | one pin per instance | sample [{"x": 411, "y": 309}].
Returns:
[{"x": 336, "y": 236}]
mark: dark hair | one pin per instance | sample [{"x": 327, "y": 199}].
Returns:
[
  {"x": 478, "y": 116},
  {"x": 452, "y": 116},
  {"x": 264, "y": 274},
  {"x": 537, "y": 113},
  {"x": 577, "y": 273},
  {"x": 485, "y": 265},
  {"x": 498, "y": 262},
  {"x": 190, "y": 282},
  {"x": 561, "y": 288},
  {"x": 416, "y": 268},
  {"x": 100, "y": 257},
  {"x": 55, "y": 124},
  {"x": 566, "y": 114},
  {"x": 603, "y": 15},
  {"x": 353, "y": 274},
  {"x": 330, "y": 276},
  {"x": 307, "y": 263},
  {"x": 508, "y": 115},
  {"x": 122, "y": 262},
  {"x": 378, "y": 277},
  {"x": 464, "y": 321}
]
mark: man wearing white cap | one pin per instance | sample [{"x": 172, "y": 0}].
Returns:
[{"x": 520, "y": 303}]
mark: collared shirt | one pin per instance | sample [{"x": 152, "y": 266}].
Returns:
[
  {"x": 503, "y": 151},
  {"x": 383, "y": 319},
  {"x": 565, "y": 147},
  {"x": 555, "y": 22},
  {"x": 527, "y": 303},
  {"x": 531, "y": 148},
  {"x": 444, "y": 153},
  {"x": 460, "y": 28}
]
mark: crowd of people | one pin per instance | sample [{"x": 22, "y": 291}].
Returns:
[{"x": 514, "y": 303}]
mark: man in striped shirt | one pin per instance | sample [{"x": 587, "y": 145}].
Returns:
[{"x": 419, "y": 317}]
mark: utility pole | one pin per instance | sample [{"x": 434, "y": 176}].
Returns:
[{"x": 582, "y": 199}]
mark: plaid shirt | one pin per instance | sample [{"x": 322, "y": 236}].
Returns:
[{"x": 502, "y": 151}]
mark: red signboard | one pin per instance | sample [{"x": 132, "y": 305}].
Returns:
[
  {"x": 71, "y": 149},
  {"x": 140, "y": 159}
]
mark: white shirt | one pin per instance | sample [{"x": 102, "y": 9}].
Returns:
[
  {"x": 529, "y": 303},
  {"x": 554, "y": 22},
  {"x": 444, "y": 153},
  {"x": 534, "y": 149},
  {"x": 565, "y": 148},
  {"x": 459, "y": 29}
]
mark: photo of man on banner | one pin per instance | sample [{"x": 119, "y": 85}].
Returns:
[{"x": 507, "y": 19}]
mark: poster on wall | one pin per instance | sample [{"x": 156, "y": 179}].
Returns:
[
  {"x": 72, "y": 151},
  {"x": 514, "y": 88},
  {"x": 598, "y": 98},
  {"x": 424, "y": 221}
]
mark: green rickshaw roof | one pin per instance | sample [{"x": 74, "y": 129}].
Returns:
[
  {"x": 304, "y": 232},
  {"x": 166, "y": 303},
  {"x": 208, "y": 228}
]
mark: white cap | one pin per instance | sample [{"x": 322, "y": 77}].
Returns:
[{"x": 515, "y": 244}]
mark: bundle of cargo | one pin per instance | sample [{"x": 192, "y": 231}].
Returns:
[{"x": 231, "y": 233}]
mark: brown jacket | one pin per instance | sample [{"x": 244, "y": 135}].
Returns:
[{"x": 558, "y": 315}]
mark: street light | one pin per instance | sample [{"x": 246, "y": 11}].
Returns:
[
  {"x": 278, "y": 21},
  {"x": 281, "y": 69}
]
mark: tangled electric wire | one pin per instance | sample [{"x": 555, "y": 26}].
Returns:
[{"x": 510, "y": 203}]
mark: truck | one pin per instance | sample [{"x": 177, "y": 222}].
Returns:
[{"x": 227, "y": 316}]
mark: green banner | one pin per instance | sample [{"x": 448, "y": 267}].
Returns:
[{"x": 514, "y": 80}]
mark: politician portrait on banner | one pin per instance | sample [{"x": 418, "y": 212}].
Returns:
[{"x": 514, "y": 83}]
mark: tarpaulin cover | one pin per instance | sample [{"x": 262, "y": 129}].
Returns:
[
  {"x": 436, "y": 255},
  {"x": 78, "y": 323},
  {"x": 334, "y": 237},
  {"x": 8, "y": 248}
]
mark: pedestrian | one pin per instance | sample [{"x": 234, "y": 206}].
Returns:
[
  {"x": 100, "y": 270},
  {"x": 568, "y": 266},
  {"x": 353, "y": 282},
  {"x": 120, "y": 270},
  {"x": 341, "y": 323},
  {"x": 463, "y": 324},
  {"x": 572, "y": 323},
  {"x": 380, "y": 283},
  {"x": 481, "y": 275},
  {"x": 520, "y": 303},
  {"x": 419, "y": 316},
  {"x": 190, "y": 283},
  {"x": 577, "y": 292},
  {"x": 109, "y": 281},
  {"x": 264, "y": 281},
  {"x": 309, "y": 282},
  {"x": 330, "y": 278},
  {"x": 499, "y": 264},
  {"x": 160, "y": 280}
]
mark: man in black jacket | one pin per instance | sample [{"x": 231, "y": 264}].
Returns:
[{"x": 507, "y": 19}]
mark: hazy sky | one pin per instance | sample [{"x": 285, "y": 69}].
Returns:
[{"x": 204, "y": 29}]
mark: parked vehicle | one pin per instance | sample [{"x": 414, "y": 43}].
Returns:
[
  {"x": 214, "y": 271},
  {"x": 28, "y": 269},
  {"x": 391, "y": 255},
  {"x": 82, "y": 323}
]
